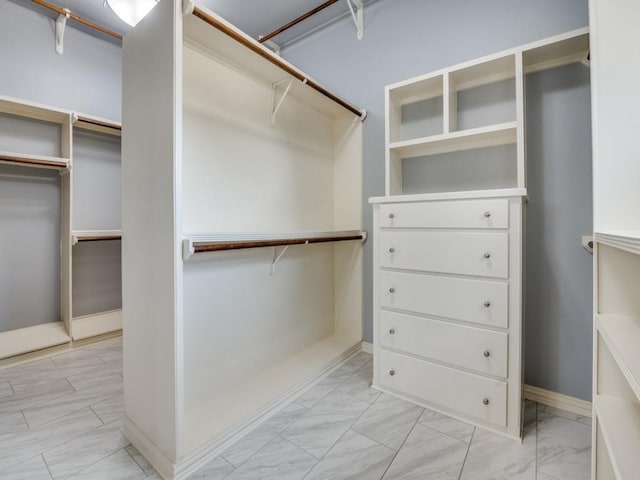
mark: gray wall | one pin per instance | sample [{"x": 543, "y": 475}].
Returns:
[
  {"x": 405, "y": 38},
  {"x": 87, "y": 78}
]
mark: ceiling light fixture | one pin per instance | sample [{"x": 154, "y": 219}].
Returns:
[{"x": 131, "y": 11}]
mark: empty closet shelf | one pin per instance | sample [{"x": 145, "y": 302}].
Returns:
[
  {"x": 96, "y": 235},
  {"x": 219, "y": 243},
  {"x": 41, "y": 161}
]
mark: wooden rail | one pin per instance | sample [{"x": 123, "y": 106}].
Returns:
[
  {"x": 77, "y": 18},
  {"x": 296, "y": 21}
]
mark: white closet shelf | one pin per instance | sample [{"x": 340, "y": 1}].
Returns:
[
  {"x": 95, "y": 235},
  {"x": 622, "y": 337},
  {"x": 246, "y": 54},
  {"x": 29, "y": 339},
  {"x": 35, "y": 111},
  {"x": 95, "y": 324},
  {"x": 97, "y": 124},
  {"x": 618, "y": 420},
  {"x": 490, "y": 136},
  {"x": 628, "y": 240},
  {"x": 217, "y": 243},
  {"x": 38, "y": 161},
  {"x": 557, "y": 51},
  {"x": 425, "y": 197}
]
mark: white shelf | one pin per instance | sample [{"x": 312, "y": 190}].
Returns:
[
  {"x": 21, "y": 108},
  {"x": 493, "y": 135},
  {"x": 95, "y": 235},
  {"x": 619, "y": 421},
  {"x": 29, "y": 339},
  {"x": 96, "y": 324},
  {"x": 426, "y": 197},
  {"x": 624, "y": 240},
  {"x": 38, "y": 161},
  {"x": 622, "y": 337}
]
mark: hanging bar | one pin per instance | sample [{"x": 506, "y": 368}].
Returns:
[
  {"x": 77, "y": 18},
  {"x": 95, "y": 236},
  {"x": 296, "y": 21},
  {"x": 192, "y": 246},
  {"x": 268, "y": 55}
]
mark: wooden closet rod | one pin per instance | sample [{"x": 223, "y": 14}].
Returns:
[
  {"x": 77, "y": 18},
  {"x": 201, "y": 247},
  {"x": 296, "y": 21},
  {"x": 256, "y": 47},
  {"x": 99, "y": 239}
]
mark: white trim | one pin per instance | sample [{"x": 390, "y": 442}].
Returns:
[
  {"x": 367, "y": 347},
  {"x": 558, "y": 400}
]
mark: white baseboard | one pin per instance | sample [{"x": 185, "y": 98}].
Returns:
[
  {"x": 558, "y": 400},
  {"x": 367, "y": 347}
]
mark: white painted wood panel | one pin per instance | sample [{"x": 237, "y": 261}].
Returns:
[
  {"x": 470, "y": 394},
  {"x": 476, "y": 349},
  {"x": 463, "y": 253},
  {"x": 489, "y": 213},
  {"x": 455, "y": 298}
]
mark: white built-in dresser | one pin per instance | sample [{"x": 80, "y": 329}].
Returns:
[{"x": 448, "y": 236}]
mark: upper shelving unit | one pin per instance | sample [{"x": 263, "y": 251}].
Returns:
[{"x": 476, "y": 108}]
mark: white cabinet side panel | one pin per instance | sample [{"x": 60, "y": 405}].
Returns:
[{"x": 151, "y": 309}]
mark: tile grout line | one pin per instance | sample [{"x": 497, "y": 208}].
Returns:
[
  {"x": 46, "y": 465},
  {"x": 398, "y": 451},
  {"x": 25, "y": 420},
  {"x": 447, "y": 434},
  {"x": 94, "y": 412},
  {"x": 466, "y": 455}
]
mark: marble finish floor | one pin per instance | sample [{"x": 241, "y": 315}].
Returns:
[{"x": 60, "y": 418}]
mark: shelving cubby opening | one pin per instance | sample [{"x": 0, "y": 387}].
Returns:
[{"x": 416, "y": 110}]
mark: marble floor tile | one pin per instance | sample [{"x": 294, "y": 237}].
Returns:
[
  {"x": 321, "y": 426},
  {"x": 25, "y": 369},
  {"x": 530, "y": 413},
  {"x": 13, "y": 423},
  {"x": 95, "y": 377},
  {"x": 106, "y": 345},
  {"x": 447, "y": 425},
  {"x": 279, "y": 460},
  {"x": 39, "y": 380},
  {"x": 544, "y": 476},
  {"x": 18, "y": 447},
  {"x": 564, "y": 414},
  {"x": 81, "y": 452},
  {"x": 263, "y": 434},
  {"x": 312, "y": 396},
  {"x": 359, "y": 385},
  {"x": 354, "y": 457},
  {"x": 140, "y": 460},
  {"x": 388, "y": 421},
  {"x": 111, "y": 357},
  {"x": 110, "y": 409},
  {"x": 564, "y": 447},
  {"x": 494, "y": 457},
  {"x": 43, "y": 413},
  {"x": 5, "y": 389},
  {"x": 32, "y": 469},
  {"x": 358, "y": 361},
  {"x": 118, "y": 466},
  {"x": 217, "y": 469},
  {"x": 428, "y": 454},
  {"x": 45, "y": 393},
  {"x": 76, "y": 357}
]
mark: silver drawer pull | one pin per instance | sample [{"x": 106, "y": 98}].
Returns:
[
  {"x": 487, "y": 214},
  {"x": 392, "y": 372},
  {"x": 485, "y": 401},
  {"x": 487, "y": 304},
  {"x": 487, "y": 353},
  {"x": 487, "y": 255},
  {"x": 391, "y": 215},
  {"x": 391, "y": 290},
  {"x": 392, "y": 331},
  {"x": 391, "y": 250}
]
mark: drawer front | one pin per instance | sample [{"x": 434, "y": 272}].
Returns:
[
  {"x": 477, "y": 301},
  {"x": 464, "y": 253},
  {"x": 470, "y": 394},
  {"x": 473, "y": 348},
  {"x": 484, "y": 213}
]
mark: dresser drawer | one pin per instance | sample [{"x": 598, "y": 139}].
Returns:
[
  {"x": 474, "y": 348},
  {"x": 478, "y": 301},
  {"x": 465, "y": 253},
  {"x": 470, "y": 394},
  {"x": 483, "y": 213}
]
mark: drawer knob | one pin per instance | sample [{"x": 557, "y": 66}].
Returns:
[
  {"x": 391, "y": 215},
  {"x": 487, "y": 353},
  {"x": 485, "y": 401},
  {"x": 391, "y": 290},
  {"x": 487, "y": 214},
  {"x": 487, "y": 255},
  {"x": 392, "y": 372},
  {"x": 392, "y": 331},
  {"x": 487, "y": 304},
  {"x": 391, "y": 250}
]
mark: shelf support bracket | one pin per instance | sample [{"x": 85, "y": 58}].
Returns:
[
  {"x": 61, "y": 23},
  {"x": 187, "y": 249},
  {"x": 356, "y": 7},
  {"x": 187, "y": 7},
  {"x": 276, "y": 257},
  {"x": 273, "y": 46},
  {"x": 276, "y": 104}
]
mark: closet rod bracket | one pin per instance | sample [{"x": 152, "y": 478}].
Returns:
[
  {"x": 277, "y": 49},
  {"x": 276, "y": 104},
  {"x": 188, "y": 250},
  {"x": 276, "y": 257},
  {"x": 356, "y": 7},
  {"x": 61, "y": 23},
  {"x": 187, "y": 7}
]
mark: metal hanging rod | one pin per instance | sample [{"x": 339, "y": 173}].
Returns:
[
  {"x": 77, "y": 18},
  {"x": 296, "y": 21}
]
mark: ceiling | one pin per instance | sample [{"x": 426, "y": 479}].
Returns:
[{"x": 255, "y": 17}]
